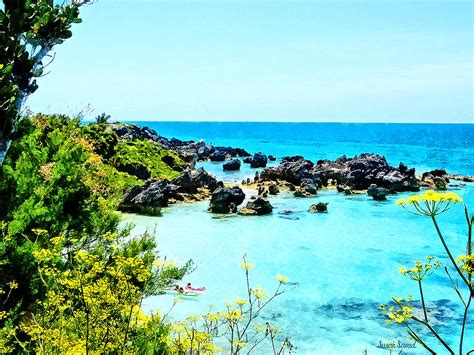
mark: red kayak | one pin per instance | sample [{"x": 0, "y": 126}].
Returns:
[{"x": 195, "y": 288}]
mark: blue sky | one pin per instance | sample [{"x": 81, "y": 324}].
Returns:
[{"x": 255, "y": 60}]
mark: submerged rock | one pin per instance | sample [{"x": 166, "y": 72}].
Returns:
[
  {"x": 319, "y": 207},
  {"x": 234, "y": 164},
  {"x": 377, "y": 193},
  {"x": 259, "y": 206},
  {"x": 225, "y": 200},
  {"x": 465, "y": 178},
  {"x": 271, "y": 158}
]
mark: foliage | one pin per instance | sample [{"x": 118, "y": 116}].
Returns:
[
  {"x": 161, "y": 163},
  {"x": 29, "y": 29},
  {"x": 103, "y": 139},
  {"x": 93, "y": 298},
  {"x": 102, "y": 118},
  {"x": 53, "y": 180},
  {"x": 432, "y": 204}
]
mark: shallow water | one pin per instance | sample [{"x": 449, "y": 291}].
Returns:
[{"x": 346, "y": 261}]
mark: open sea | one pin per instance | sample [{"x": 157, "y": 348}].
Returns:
[{"x": 346, "y": 261}]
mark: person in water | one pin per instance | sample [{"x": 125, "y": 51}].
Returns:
[{"x": 191, "y": 288}]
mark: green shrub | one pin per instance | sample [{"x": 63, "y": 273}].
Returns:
[{"x": 161, "y": 163}]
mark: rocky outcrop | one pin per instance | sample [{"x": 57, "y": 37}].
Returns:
[
  {"x": 202, "y": 151},
  {"x": 132, "y": 132},
  {"x": 464, "y": 178},
  {"x": 234, "y": 164},
  {"x": 217, "y": 156},
  {"x": 377, "y": 193},
  {"x": 259, "y": 206},
  {"x": 320, "y": 207},
  {"x": 272, "y": 158},
  {"x": 259, "y": 160},
  {"x": 189, "y": 181},
  {"x": 356, "y": 173},
  {"x": 149, "y": 198},
  {"x": 226, "y": 200},
  {"x": 156, "y": 194}
]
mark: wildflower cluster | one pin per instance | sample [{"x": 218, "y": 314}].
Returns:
[
  {"x": 400, "y": 312},
  {"x": 467, "y": 263},
  {"x": 430, "y": 203},
  {"x": 420, "y": 270}
]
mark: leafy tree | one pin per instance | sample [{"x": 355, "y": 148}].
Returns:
[
  {"x": 29, "y": 30},
  {"x": 102, "y": 118}
]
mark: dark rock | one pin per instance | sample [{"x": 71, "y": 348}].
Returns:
[
  {"x": 273, "y": 189},
  {"x": 247, "y": 160},
  {"x": 271, "y": 174},
  {"x": 256, "y": 177},
  {"x": 189, "y": 181},
  {"x": 259, "y": 160},
  {"x": 377, "y": 193},
  {"x": 437, "y": 178},
  {"x": 136, "y": 169},
  {"x": 301, "y": 193},
  {"x": 259, "y": 206},
  {"x": 271, "y": 158},
  {"x": 149, "y": 198},
  {"x": 349, "y": 174},
  {"x": 319, "y": 207},
  {"x": 217, "y": 156},
  {"x": 131, "y": 132},
  {"x": 461, "y": 177},
  {"x": 292, "y": 169},
  {"x": 225, "y": 200},
  {"x": 309, "y": 187},
  {"x": 234, "y": 164}
]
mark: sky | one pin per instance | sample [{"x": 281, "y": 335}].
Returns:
[{"x": 259, "y": 60}]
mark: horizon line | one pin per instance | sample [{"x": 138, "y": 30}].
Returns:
[{"x": 296, "y": 122}]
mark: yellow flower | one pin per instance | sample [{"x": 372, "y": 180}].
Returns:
[
  {"x": 13, "y": 285},
  {"x": 259, "y": 293},
  {"x": 57, "y": 240},
  {"x": 282, "y": 279},
  {"x": 401, "y": 201},
  {"x": 247, "y": 266},
  {"x": 413, "y": 199},
  {"x": 240, "y": 301}
]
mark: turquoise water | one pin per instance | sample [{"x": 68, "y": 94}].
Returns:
[{"x": 346, "y": 261}]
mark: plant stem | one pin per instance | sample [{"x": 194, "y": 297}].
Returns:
[
  {"x": 433, "y": 331},
  {"x": 449, "y": 254},
  {"x": 461, "y": 340},
  {"x": 423, "y": 301}
]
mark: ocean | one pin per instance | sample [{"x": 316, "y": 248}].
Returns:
[{"x": 346, "y": 261}]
